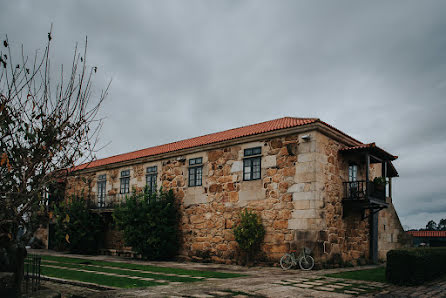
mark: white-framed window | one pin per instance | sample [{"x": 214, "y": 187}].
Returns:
[
  {"x": 102, "y": 183},
  {"x": 125, "y": 181},
  {"x": 352, "y": 173}
]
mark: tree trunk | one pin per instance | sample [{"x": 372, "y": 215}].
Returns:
[{"x": 19, "y": 266}]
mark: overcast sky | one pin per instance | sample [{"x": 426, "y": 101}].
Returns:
[{"x": 179, "y": 69}]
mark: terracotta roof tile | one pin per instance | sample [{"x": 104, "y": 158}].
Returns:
[
  {"x": 272, "y": 125},
  {"x": 371, "y": 146},
  {"x": 427, "y": 233}
]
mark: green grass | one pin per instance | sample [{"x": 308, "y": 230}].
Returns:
[
  {"x": 112, "y": 281},
  {"x": 124, "y": 272},
  {"x": 375, "y": 274},
  {"x": 149, "y": 268},
  {"x": 70, "y": 265}
]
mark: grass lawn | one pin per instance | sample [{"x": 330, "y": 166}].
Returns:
[
  {"x": 149, "y": 268},
  {"x": 376, "y": 274},
  {"x": 130, "y": 275},
  {"x": 111, "y": 281}
]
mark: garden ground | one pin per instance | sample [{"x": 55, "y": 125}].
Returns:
[{"x": 105, "y": 276}]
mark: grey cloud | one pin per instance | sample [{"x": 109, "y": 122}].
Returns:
[{"x": 376, "y": 70}]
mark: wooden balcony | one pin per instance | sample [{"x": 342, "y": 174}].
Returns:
[{"x": 366, "y": 194}]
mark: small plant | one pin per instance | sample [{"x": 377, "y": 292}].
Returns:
[
  {"x": 380, "y": 181},
  {"x": 249, "y": 233}
]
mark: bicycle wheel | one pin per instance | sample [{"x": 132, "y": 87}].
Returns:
[
  {"x": 286, "y": 261},
  {"x": 306, "y": 262}
]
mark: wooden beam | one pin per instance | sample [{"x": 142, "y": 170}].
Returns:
[
  {"x": 390, "y": 188},
  {"x": 377, "y": 158},
  {"x": 367, "y": 172}
]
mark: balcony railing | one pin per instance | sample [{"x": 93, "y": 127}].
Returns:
[
  {"x": 363, "y": 190},
  {"x": 105, "y": 205},
  {"x": 108, "y": 201}
]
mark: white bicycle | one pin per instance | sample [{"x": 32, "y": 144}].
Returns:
[{"x": 305, "y": 261}]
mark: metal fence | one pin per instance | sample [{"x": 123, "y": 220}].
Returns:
[{"x": 31, "y": 273}]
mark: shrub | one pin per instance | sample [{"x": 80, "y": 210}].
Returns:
[
  {"x": 78, "y": 229},
  {"x": 415, "y": 266},
  {"x": 150, "y": 224},
  {"x": 249, "y": 233}
]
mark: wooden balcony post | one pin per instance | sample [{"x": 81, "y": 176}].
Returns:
[
  {"x": 384, "y": 174},
  {"x": 367, "y": 172}
]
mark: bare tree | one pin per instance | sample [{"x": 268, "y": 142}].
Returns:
[{"x": 46, "y": 128}]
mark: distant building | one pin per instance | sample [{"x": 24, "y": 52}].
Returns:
[
  {"x": 428, "y": 238},
  {"x": 312, "y": 185}
]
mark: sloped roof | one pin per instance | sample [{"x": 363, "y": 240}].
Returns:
[
  {"x": 372, "y": 148},
  {"x": 254, "y": 129},
  {"x": 427, "y": 233}
]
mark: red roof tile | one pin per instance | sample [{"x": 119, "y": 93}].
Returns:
[
  {"x": 277, "y": 124},
  {"x": 427, "y": 233},
  {"x": 371, "y": 146}
]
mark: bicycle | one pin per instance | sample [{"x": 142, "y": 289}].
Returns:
[{"x": 305, "y": 261}]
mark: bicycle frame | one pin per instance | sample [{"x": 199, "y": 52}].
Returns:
[{"x": 303, "y": 259}]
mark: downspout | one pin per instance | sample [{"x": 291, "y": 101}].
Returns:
[{"x": 373, "y": 218}]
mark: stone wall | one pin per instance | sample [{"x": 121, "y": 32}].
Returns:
[
  {"x": 391, "y": 234},
  {"x": 210, "y": 211},
  {"x": 338, "y": 236}
]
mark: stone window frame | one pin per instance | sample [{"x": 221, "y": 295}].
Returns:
[
  {"x": 151, "y": 177},
  {"x": 125, "y": 182},
  {"x": 102, "y": 184},
  {"x": 195, "y": 172},
  {"x": 252, "y": 161}
]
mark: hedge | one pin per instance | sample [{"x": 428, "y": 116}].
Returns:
[
  {"x": 149, "y": 222},
  {"x": 415, "y": 266},
  {"x": 78, "y": 229}
]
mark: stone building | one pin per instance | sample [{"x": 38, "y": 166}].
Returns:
[{"x": 311, "y": 184}]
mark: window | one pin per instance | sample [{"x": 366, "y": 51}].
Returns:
[
  {"x": 151, "y": 174},
  {"x": 125, "y": 181},
  {"x": 102, "y": 180},
  {"x": 253, "y": 151},
  {"x": 195, "y": 171},
  {"x": 352, "y": 173},
  {"x": 252, "y": 164},
  {"x": 355, "y": 188}
]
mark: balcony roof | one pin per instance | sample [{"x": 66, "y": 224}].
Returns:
[{"x": 370, "y": 148}]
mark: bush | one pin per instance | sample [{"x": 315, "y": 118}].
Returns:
[
  {"x": 249, "y": 233},
  {"x": 77, "y": 229},
  {"x": 150, "y": 224},
  {"x": 415, "y": 266}
]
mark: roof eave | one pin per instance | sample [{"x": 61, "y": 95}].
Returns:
[{"x": 316, "y": 125}]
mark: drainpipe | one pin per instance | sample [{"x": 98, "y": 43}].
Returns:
[
  {"x": 373, "y": 218},
  {"x": 374, "y": 238}
]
